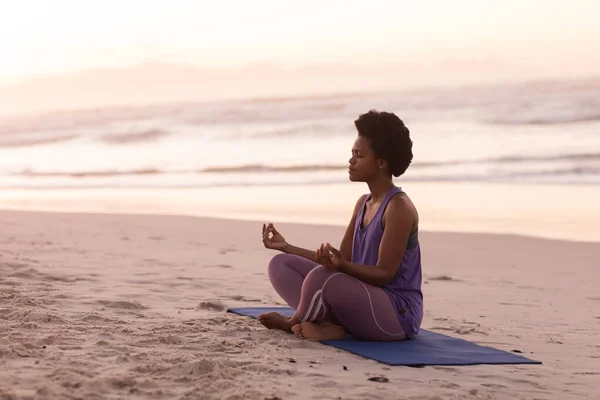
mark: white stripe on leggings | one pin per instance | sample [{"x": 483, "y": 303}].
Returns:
[
  {"x": 373, "y": 313},
  {"x": 312, "y": 302},
  {"x": 317, "y": 308}
]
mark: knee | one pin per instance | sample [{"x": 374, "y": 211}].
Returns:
[
  {"x": 321, "y": 274},
  {"x": 324, "y": 278},
  {"x": 277, "y": 260},
  {"x": 337, "y": 289},
  {"x": 279, "y": 264}
]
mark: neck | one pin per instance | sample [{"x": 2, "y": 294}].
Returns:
[{"x": 379, "y": 187}]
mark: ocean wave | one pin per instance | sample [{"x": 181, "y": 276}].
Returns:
[
  {"x": 539, "y": 104},
  {"x": 35, "y": 141},
  {"x": 432, "y": 169},
  {"x": 89, "y": 174},
  {"x": 81, "y": 119},
  {"x": 511, "y": 159},
  {"x": 556, "y": 157},
  {"x": 547, "y": 120},
  {"x": 560, "y": 176},
  {"x": 253, "y": 168},
  {"x": 271, "y": 168},
  {"x": 557, "y": 172},
  {"x": 126, "y": 138}
]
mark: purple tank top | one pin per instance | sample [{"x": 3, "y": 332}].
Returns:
[{"x": 405, "y": 288}]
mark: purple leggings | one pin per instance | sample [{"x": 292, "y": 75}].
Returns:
[{"x": 322, "y": 295}]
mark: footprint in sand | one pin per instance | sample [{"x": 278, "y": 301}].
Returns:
[
  {"x": 123, "y": 305},
  {"x": 147, "y": 273},
  {"x": 157, "y": 262},
  {"x": 139, "y": 282},
  {"x": 447, "y": 369},
  {"x": 242, "y": 298},
  {"x": 493, "y": 385},
  {"x": 227, "y": 250},
  {"x": 210, "y": 305},
  {"x": 444, "y": 278},
  {"x": 461, "y": 330},
  {"x": 156, "y": 238},
  {"x": 450, "y": 385},
  {"x": 15, "y": 265},
  {"x": 97, "y": 318},
  {"x": 519, "y": 304}
]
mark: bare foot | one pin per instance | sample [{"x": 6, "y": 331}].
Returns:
[
  {"x": 275, "y": 320},
  {"x": 322, "y": 331}
]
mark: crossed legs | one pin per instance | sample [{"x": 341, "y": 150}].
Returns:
[{"x": 329, "y": 303}]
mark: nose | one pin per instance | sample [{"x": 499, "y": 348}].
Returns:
[{"x": 351, "y": 160}]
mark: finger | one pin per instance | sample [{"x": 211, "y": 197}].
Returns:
[
  {"x": 335, "y": 251},
  {"x": 327, "y": 254},
  {"x": 330, "y": 252},
  {"x": 263, "y": 229}
]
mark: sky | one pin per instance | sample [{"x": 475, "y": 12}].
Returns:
[{"x": 57, "y": 37}]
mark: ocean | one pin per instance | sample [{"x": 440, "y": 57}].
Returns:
[{"x": 545, "y": 132}]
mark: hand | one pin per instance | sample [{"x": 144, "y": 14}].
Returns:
[
  {"x": 276, "y": 241},
  {"x": 330, "y": 257}
]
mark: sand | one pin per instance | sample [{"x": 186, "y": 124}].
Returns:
[{"x": 132, "y": 306}]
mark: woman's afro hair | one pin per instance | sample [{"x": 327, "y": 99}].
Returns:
[{"x": 389, "y": 137}]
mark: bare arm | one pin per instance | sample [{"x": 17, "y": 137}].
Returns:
[
  {"x": 299, "y": 251},
  {"x": 348, "y": 239},
  {"x": 399, "y": 222}
]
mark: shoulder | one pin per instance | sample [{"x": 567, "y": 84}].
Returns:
[
  {"x": 399, "y": 201},
  {"x": 400, "y": 207}
]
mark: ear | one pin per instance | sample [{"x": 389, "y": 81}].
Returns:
[{"x": 382, "y": 164}]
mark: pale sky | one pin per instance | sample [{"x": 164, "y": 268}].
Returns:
[{"x": 46, "y": 37}]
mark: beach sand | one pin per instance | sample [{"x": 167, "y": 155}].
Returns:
[{"x": 133, "y": 306}]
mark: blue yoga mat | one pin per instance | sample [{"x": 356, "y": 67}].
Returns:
[{"x": 429, "y": 348}]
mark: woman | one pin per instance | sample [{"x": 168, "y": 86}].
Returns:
[{"x": 371, "y": 286}]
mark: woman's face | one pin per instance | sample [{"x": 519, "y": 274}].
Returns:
[{"x": 364, "y": 165}]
